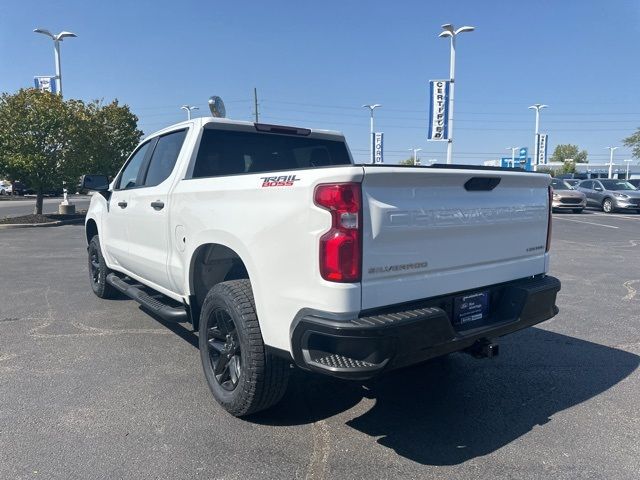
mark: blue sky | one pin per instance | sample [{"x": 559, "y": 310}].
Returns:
[{"x": 315, "y": 63}]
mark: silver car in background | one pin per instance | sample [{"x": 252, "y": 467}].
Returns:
[
  {"x": 5, "y": 188},
  {"x": 610, "y": 194},
  {"x": 573, "y": 182},
  {"x": 565, "y": 197}
]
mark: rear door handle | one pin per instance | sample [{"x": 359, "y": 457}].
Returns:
[
  {"x": 157, "y": 205},
  {"x": 122, "y": 204}
]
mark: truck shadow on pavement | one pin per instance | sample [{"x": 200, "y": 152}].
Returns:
[{"x": 457, "y": 408}]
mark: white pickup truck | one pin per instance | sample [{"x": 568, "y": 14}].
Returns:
[{"x": 278, "y": 249}]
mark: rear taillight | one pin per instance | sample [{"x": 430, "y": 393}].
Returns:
[
  {"x": 340, "y": 247},
  {"x": 549, "y": 219}
]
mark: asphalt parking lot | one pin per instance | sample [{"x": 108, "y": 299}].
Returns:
[
  {"x": 99, "y": 389},
  {"x": 24, "y": 205}
]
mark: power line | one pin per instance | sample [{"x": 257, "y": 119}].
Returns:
[{"x": 479, "y": 129}]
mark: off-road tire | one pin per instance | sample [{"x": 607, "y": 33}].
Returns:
[
  {"x": 98, "y": 271},
  {"x": 263, "y": 377}
]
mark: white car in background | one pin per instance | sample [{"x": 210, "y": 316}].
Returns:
[{"x": 5, "y": 188}]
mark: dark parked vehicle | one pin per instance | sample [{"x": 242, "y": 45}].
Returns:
[
  {"x": 565, "y": 197},
  {"x": 19, "y": 188},
  {"x": 610, "y": 194}
]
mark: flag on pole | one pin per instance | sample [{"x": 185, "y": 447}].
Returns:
[{"x": 438, "y": 110}]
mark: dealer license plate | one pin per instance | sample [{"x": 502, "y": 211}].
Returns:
[{"x": 469, "y": 308}]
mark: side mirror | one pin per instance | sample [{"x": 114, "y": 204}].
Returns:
[
  {"x": 97, "y": 183},
  {"x": 597, "y": 189}
]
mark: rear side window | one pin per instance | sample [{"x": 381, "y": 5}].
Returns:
[
  {"x": 129, "y": 176},
  {"x": 224, "y": 152},
  {"x": 164, "y": 158}
]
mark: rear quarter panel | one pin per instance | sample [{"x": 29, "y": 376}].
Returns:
[{"x": 274, "y": 230}]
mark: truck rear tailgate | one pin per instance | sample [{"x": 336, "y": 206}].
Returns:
[{"x": 427, "y": 234}]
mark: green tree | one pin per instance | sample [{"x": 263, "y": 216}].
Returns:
[
  {"x": 110, "y": 133},
  {"x": 37, "y": 140},
  {"x": 565, "y": 151},
  {"x": 408, "y": 161},
  {"x": 46, "y": 141},
  {"x": 568, "y": 167},
  {"x": 545, "y": 170},
  {"x": 633, "y": 142}
]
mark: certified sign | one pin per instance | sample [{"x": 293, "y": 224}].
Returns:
[
  {"x": 438, "y": 110},
  {"x": 378, "y": 144},
  {"x": 46, "y": 84},
  {"x": 541, "y": 149}
]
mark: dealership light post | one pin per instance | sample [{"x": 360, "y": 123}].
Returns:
[
  {"x": 628, "y": 161},
  {"x": 452, "y": 33},
  {"x": 611, "y": 150},
  {"x": 513, "y": 155},
  {"x": 537, "y": 107},
  {"x": 56, "y": 48},
  {"x": 371, "y": 109},
  {"x": 415, "y": 155},
  {"x": 188, "y": 109}
]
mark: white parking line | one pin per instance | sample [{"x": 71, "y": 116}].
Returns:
[
  {"x": 582, "y": 221},
  {"x": 616, "y": 215}
]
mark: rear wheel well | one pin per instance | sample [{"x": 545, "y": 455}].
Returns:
[
  {"x": 212, "y": 264},
  {"x": 91, "y": 230}
]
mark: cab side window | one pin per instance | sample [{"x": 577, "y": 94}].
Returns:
[
  {"x": 129, "y": 176},
  {"x": 164, "y": 158}
]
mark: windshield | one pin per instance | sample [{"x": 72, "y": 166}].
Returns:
[
  {"x": 617, "y": 185},
  {"x": 558, "y": 184}
]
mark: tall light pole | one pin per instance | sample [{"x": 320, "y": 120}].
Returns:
[
  {"x": 513, "y": 155},
  {"x": 56, "y": 48},
  {"x": 537, "y": 107},
  {"x": 452, "y": 33},
  {"x": 371, "y": 109},
  {"x": 611, "y": 150},
  {"x": 415, "y": 155},
  {"x": 188, "y": 109},
  {"x": 628, "y": 161}
]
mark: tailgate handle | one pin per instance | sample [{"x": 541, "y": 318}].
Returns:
[{"x": 479, "y": 184}]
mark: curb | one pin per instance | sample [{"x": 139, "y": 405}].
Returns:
[{"x": 8, "y": 226}]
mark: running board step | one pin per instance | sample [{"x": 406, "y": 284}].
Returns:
[{"x": 164, "y": 311}]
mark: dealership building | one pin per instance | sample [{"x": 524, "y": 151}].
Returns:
[{"x": 589, "y": 170}]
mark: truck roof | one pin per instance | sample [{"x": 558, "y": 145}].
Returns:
[{"x": 202, "y": 121}]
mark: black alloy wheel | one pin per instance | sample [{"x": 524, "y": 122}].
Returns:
[
  {"x": 224, "y": 349},
  {"x": 98, "y": 271},
  {"x": 94, "y": 265},
  {"x": 243, "y": 376}
]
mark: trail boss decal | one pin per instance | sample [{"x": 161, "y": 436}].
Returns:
[{"x": 281, "y": 181}]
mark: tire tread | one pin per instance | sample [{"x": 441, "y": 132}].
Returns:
[{"x": 266, "y": 376}]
